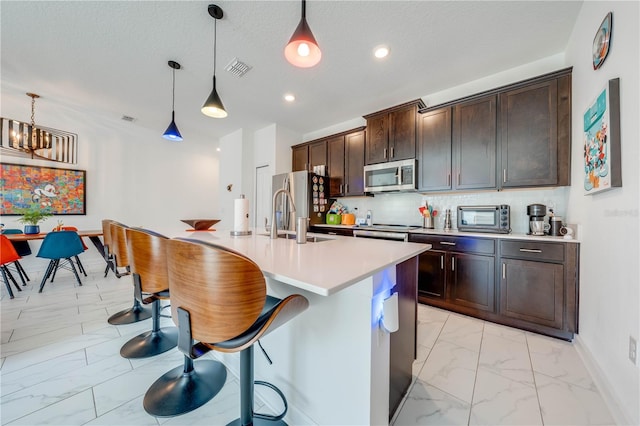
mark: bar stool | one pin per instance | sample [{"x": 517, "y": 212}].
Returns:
[
  {"x": 120, "y": 256},
  {"x": 8, "y": 255},
  {"x": 219, "y": 298},
  {"x": 148, "y": 258},
  {"x": 106, "y": 238}
]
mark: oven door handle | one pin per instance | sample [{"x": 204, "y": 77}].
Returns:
[{"x": 383, "y": 235}]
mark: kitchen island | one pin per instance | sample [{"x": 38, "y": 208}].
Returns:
[{"x": 333, "y": 361}]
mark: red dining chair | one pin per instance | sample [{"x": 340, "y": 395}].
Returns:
[
  {"x": 8, "y": 255},
  {"x": 23, "y": 249}
]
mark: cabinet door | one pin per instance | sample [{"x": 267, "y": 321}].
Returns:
[
  {"x": 471, "y": 282},
  {"x": 434, "y": 150},
  {"x": 317, "y": 154},
  {"x": 354, "y": 149},
  {"x": 475, "y": 139},
  {"x": 431, "y": 274},
  {"x": 335, "y": 166},
  {"x": 377, "y": 142},
  {"x": 300, "y": 160},
  {"x": 529, "y": 135},
  {"x": 532, "y": 291},
  {"x": 402, "y": 134}
]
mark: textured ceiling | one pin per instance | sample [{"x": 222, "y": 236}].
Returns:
[{"x": 110, "y": 57}]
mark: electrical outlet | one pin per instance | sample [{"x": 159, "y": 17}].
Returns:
[{"x": 633, "y": 349}]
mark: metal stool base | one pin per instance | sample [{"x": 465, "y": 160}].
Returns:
[
  {"x": 150, "y": 343},
  {"x": 177, "y": 392},
  {"x": 259, "y": 422},
  {"x": 134, "y": 314}
]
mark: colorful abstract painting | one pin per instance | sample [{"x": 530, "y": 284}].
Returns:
[{"x": 59, "y": 191}]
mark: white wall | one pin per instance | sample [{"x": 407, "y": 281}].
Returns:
[
  {"x": 133, "y": 175},
  {"x": 609, "y": 257},
  {"x": 231, "y": 176}
]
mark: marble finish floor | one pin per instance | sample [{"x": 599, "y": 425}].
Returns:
[{"x": 60, "y": 365}]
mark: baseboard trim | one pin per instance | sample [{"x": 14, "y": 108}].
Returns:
[{"x": 607, "y": 390}]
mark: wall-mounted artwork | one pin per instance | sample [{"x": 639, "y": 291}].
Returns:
[
  {"x": 602, "y": 141},
  {"x": 59, "y": 191}
]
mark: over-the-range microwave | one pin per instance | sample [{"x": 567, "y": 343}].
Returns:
[{"x": 391, "y": 176}]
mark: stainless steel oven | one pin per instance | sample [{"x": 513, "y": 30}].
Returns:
[{"x": 385, "y": 232}]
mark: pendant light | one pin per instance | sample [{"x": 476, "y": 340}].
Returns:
[
  {"x": 172, "y": 133},
  {"x": 302, "y": 50},
  {"x": 213, "y": 105}
]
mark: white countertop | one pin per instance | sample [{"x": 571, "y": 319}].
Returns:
[
  {"x": 323, "y": 267},
  {"x": 456, "y": 233}
]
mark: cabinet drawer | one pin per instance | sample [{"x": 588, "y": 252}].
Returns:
[
  {"x": 460, "y": 244},
  {"x": 553, "y": 252}
]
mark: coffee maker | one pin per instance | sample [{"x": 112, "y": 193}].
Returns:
[{"x": 536, "y": 214}]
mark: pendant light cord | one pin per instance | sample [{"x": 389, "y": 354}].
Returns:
[
  {"x": 215, "y": 48},
  {"x": 304, "y": 9},
  {"x": 173, "y": 92}
]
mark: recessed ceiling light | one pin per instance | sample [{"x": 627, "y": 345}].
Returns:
[
  {"x": 381, "y": 51},
  {"x": 289, "y": 97}
]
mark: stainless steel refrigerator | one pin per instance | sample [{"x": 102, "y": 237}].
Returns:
[{"x": 310, "y": 193}]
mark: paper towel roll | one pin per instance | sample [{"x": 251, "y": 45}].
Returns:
[{"x": 241, "y": 214}]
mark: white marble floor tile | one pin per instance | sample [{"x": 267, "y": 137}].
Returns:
[
  {"x": 463, "y": 331},
  {"x": 421, "y": 357},
  {"x": 38, "y": 373},
  {"x": 428, "y": 332},
  {"x": 120, "y": 389},
  {"x": 130, "y": 413},
  {"x": 431, "y": 314},
  {"x": 39, "y": 396},
  {"x": 427, "y": 405},
  {"x": 452, "y": 369},
  {"x": 504, "y": 331},
  {"x": 564, "y": 403},
  {"x": 558, "y": 359},
  {"x": 500, "y": 401},
  {"x": 75, "y": 410},
  {"x": 509, "y": 358}
]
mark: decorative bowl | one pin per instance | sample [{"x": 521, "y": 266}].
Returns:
[{"x": 200, "y": 224}]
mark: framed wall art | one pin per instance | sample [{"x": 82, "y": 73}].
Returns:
[
  {"x": 59, "y": 191},
  {"x": 602, "y": 166}
]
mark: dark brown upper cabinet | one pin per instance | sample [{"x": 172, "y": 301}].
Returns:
[
  {"x": 308, "y": 155},
  {"x": 511, "y": 137},
  {"x": 391, "y": 133},
  {"x": 354, "y": 150},
  {"x": 533, "y": 146},
  {"x": 474, "y": 144}
]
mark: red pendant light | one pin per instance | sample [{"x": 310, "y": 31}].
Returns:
[{"x": 303, "y": 50}]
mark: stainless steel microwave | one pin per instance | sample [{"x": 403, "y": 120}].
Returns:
[
  {"x": 485, "y": 219},
  {"x": 391, "y": 176}
]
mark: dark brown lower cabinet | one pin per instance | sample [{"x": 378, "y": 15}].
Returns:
[
  {"x": 533, "y": 285},
  {"x": 403, "y": 342},
  {"x": 532, "y": 291},
  {"x": 472, "y": 281}
]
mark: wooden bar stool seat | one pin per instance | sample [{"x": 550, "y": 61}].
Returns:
[
  {"x": 219, "y": 299},
  {"x": 120, "y": 262},
  {"x": 148, "y": 264}
]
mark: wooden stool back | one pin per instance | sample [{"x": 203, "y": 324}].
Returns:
[{"x": 148, "y": 258}]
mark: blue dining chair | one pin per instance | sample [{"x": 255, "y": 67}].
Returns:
[
  {"x": 60, "y": 247},
  {"x": 23, "y": 249}
]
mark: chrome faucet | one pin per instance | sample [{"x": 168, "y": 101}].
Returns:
[{"x": 292, "y": 207}]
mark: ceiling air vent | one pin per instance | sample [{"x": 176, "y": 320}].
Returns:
[{"x": 237, "y": 67}]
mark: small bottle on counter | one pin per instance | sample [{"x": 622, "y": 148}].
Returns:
[{"x": 369, "y": 218}]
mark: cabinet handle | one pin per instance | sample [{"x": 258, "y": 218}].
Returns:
[
  {"x": 306, "y": 167},
  {"x": 504, "y": 175},
  {"x": 449, "y": 179},
  {"x": 341, "y": 189},
  {"x": 392, "y": 154},
  {"x": 526, "y": 250},
  {"x": 442, "y": 261},
  {"x": 447, "y": 243},
  {"x": 458, "y": 179},
  {"x": 385, "y": 153},
  {"x": 504, "y": 271},
  {"x": 453, "y": 263},
  {"x": 346, "y": 188}
]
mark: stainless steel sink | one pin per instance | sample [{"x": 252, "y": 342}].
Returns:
[{"x": 310, "y": 238}]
